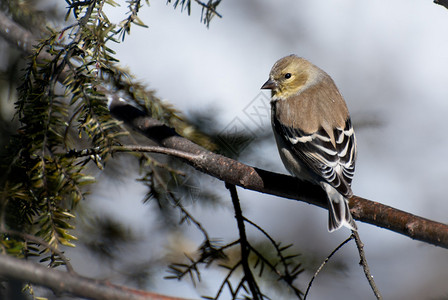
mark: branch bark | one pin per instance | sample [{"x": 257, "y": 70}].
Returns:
[
  {"x": 237, "y": 173},
  {"x": 63, "y": 282},
  {"x": 15, "y": 34},
  {"x": 255, "y": 179},
  {"x": 442, "y": 2}
]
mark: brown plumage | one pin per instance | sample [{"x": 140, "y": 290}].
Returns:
[{"x": 313, "y": 131}]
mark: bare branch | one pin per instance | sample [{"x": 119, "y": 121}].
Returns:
[
  {"x": 15, "y": 34},
  {"x": 442, "y": 2},
  {"x": 234, "y": 172},
  {"x": 244, "y": 244},
  {"x": 365, "y": 266},
  {"x": 161, "y": 150},
  {"x": 62, "y": 282},
  {"x": 42, "y": 242}
]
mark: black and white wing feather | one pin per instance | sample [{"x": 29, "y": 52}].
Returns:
[{"x": 334, "y": 162}]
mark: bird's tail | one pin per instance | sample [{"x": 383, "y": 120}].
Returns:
[{"x": 338, "y": 211}]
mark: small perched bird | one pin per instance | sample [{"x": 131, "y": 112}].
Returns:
[{"x": 314, "y": 134}]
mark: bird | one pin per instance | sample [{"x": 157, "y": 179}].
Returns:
[{"x": 314, "y": 132}]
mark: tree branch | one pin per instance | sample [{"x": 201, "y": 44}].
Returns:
[
  {"x": 15, "y": 34},
  {"x": 42, "y": 242},
  {"x": 255, "y": 179},
  {"x": 365, "y": 266},
  {"x": 234, "y": 172},
  {"x": 244, "y": 244},
  {"x": 442, "y": 2},
  {"x": 63, "y": 282}
]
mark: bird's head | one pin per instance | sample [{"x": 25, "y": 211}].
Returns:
[{"x": 289, "y": 76}]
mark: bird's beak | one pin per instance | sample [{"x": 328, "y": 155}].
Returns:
[{"x": 268, "y": 85}]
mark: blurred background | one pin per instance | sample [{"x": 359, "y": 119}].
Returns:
[{"x": 389, "y": 60}]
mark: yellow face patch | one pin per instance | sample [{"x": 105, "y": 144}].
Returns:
[
  {"x": 290, "y": 75},
  {"x": 288, "y": 81}
]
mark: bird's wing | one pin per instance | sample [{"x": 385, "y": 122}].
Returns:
[{"x": 334, "y": 163}]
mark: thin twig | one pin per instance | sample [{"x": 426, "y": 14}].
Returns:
[
  {"x": 40, "y": 241},
  {"x": 274, "y": 269},
  {"x": 325, "y": 262},
  {"x": 227, "y": 281},
  {"x": 249, "y": 277},
  {"x": 365, "y": 266},
  {"x": 133, "y": 148},
  {"x": 287, "y": 277},
  {"x": 194, "y": 221},
  {"x": 279, "y": 253},
  {"x": 158, "y": 149}
]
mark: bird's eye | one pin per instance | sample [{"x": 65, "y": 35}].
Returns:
[{"x": 288, "y": 75}]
